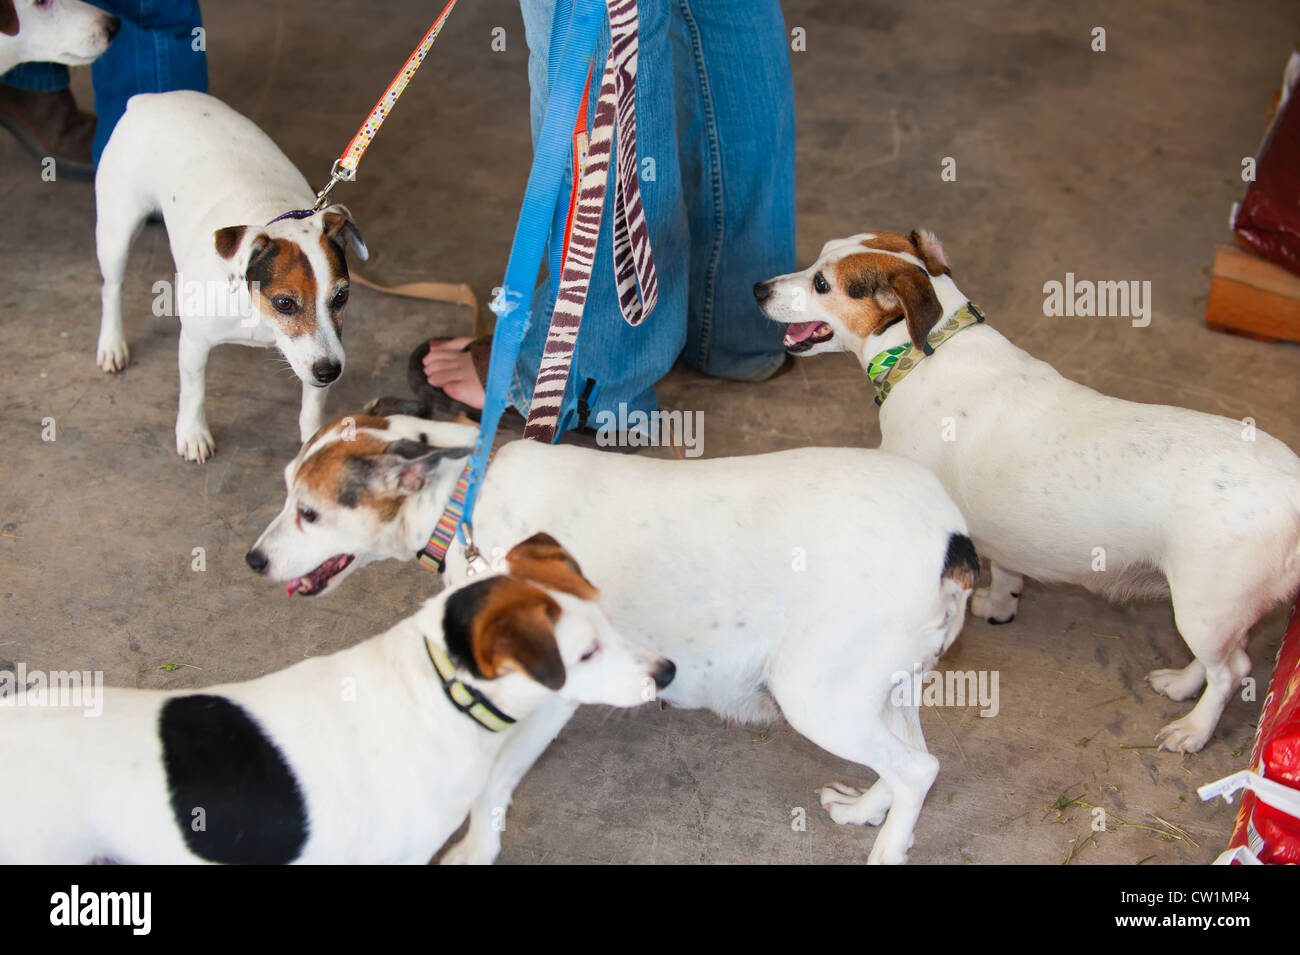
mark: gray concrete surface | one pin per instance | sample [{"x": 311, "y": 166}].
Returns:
[{"x": 1111, "y": 165}]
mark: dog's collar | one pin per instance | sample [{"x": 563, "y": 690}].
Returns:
[
  {"x": 891, "y": 366},
  {"x": 464, "y": 697},
  {"x": 293, "y": 214},
  {"x": 433, "y": 555}
]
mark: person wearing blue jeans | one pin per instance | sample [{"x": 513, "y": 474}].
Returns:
[
  {"x": 715, "y": 140},
  {"x": 156, "y": 48}
]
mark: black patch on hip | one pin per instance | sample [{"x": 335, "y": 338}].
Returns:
[
  {"x": 961, "y": 563},
  {"x": 218, "y": 759}
]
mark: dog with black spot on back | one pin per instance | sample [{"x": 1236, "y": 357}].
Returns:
[
  {"x": 245, "y": 274},
  {"x": 373, "y": 754}
]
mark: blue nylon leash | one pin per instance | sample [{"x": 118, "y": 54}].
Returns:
[{"x": 512, "y": 302}]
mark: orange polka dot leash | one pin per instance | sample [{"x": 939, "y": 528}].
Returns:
[{"x": 345, "y": 167}]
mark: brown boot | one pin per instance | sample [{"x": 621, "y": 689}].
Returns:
[{"x": 49, "y": 124}]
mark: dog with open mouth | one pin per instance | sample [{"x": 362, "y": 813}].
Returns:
[
  {"x": 373, "y": 754},
  {"x": 801, "y": 583},
  {"x": 1061, "y": 483}
]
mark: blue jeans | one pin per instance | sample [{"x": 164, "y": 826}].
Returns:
[
  {"x": 715, "y": 114},
  {"x": 153, "y": 52}
]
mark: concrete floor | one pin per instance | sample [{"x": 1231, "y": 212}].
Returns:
[{"x": 1114, "y": 165}]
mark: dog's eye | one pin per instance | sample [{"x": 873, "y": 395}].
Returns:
[
  {"x": 820, "y": 284},
  {"x": 339, "y": 300},
  {"x": 284, "y": 304},
  {"x": 307, "y": 514},
  {"x": 595, "y": 648}
]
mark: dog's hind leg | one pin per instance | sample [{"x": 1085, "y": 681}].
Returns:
[
  {"x": 849, "y": 805},
  {"x": 1178, "y": 684},
  {"x": 998, "y": 602},
  {"x": 863, "y": 726},
  {"x": 482, "y": 842},
  {"x": 119, "y": 215}
]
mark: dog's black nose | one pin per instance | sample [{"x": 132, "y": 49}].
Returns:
[
  {"x": 111, "y": 26},
  {"x": 762, "y": 290},
  {"x": 257, "y": 560},
  {"x": 326, "y": 370},
  {"x": 664, "y": 673}
]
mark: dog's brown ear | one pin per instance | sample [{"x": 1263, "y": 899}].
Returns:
[
  {"x": 541, "y": 558},
  {"x": 341, "y": 229},
  {"x": 226, "y": 240},
  {"x": 930, "y": 252},
  {"x": 910, "y": 288},
  {"x": 404, "y": 466},
  {"x": 515, "y": 632},
  {"x": 8, "y": 18}
]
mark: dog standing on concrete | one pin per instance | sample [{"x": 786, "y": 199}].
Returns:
[
  {"x": 1061, "y": 483},
  {"x": 245, "y": 274},
  {"x": 804, "y": 583},
  {"x": 372, "y": 754},
  {"x": 53, "y": 31}
]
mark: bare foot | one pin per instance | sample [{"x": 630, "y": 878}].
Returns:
[{"x": 450, "y": 368}]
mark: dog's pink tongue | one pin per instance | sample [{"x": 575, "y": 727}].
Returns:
[
  {"x": 292, "y": 586},
  {"x": 801, "y": 331}
]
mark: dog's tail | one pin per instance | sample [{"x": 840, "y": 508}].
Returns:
[{"x": 961, "y": 568}]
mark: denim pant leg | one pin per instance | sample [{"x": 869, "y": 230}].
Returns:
[
  {"x": 623, "y": 361},
  {"x": 154, "y": 52},
  {"x": 47, "y": 77},
  {"x": 736, "y": 135}
]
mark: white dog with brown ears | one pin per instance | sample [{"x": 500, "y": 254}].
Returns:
[
  {"x": 370, "y": 755},
  {"x": 800, "y": 583},
  {"x": 53, "y": 31},
  {"x": 1061, "y": 483},
  {"x": 245, "y": 273}
]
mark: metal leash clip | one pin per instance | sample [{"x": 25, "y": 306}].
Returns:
[
  {"x": 347, "y": 175},
  {"x": 475, "y": 560}
]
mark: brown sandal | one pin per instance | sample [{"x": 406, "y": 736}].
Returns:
[{"x": 441, "y": 403}]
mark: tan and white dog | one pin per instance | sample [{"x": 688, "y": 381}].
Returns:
[
  {"x": 244, "y": 275},
  {"x": 53, "y": 31},
  {"x": 373, "y": 754},
  {"x": 803, "y": 583},
  {"x": 1061, "y": 483}
]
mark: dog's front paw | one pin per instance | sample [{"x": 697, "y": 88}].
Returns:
[
  {"x": 471, "y": 851},
  {"x": 995, "y": 608},
  {"x": 1184, "y": 736},
  {"x": 889, "y": 852},
  {"x": 850, "y": 806},
  {"x": 195, "y": 444},
  {"x": 112, "y": 355}
]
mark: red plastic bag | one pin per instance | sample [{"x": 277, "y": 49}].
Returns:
[{"x": 1271, "y": 834}]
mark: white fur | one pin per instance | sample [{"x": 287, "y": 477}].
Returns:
[
  {"x": 701, "y": 560},
  {"x": 1046, "y": 470},
  {"x": 387, "y": 775},
  {"x": 57, "y": 31},
  {"x": 205, "y": 167}
]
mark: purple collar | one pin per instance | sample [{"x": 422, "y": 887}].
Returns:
[{"x": 294, "y": 214}]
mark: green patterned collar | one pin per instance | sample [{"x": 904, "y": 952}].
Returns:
[{"x": 890, "y": 367}]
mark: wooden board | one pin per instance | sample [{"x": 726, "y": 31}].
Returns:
[{"x": 1252, "y": 297}]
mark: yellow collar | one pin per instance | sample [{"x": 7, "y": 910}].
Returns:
[
  {"x": 891, "y": 366},
  {"x": 464, "y": 697}
]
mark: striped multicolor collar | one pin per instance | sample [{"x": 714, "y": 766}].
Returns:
[
  {"x": 891, "y": 366},
  {"x": 464, "y": 697},
  {"x": 434, "y": 554}
]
